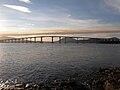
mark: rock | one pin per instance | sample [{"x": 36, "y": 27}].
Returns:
[
  {"x": 106, "y": 79},
  {"x": 108, "y": 86},
  {"x": 19, "y": 89},
  {"x": 19, "y": 85},
  {"x": 35, "y": 86},
  {"x": 29, "y": 85}
]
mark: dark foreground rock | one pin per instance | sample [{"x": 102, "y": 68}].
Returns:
[
  {"x": 103, "y": 79},
  {"x": 69, "y": 84},
  {"x": 106, "y": 79}
]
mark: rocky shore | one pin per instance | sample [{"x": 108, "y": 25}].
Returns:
[
  {"x": 103, "y": 79},
  {"x": 106, "y": 79}
]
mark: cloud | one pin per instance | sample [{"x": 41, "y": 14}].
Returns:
[
  {"x": 19, "y": 8},
  {"x": 25, "y": 26},
  {"x": 30, "y": 24},
  {"x": 70, "y": 22},
  {"x": 80, "y": 21},
  {"x": 26, "y": 1},
  {"x": 22, "y": 28},
  {"x": 69, "y": 15},
  {"x": 66, "y": 20},
  {"x": 114, "y": 4}
]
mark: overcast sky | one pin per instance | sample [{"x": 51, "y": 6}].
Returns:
[{"x": 39, "y": 15}]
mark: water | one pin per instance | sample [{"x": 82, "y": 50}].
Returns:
[{"x": 46, "y": 62}]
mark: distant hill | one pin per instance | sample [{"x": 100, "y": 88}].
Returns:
[
  {"x": 69, "y": 40},
  {"x": 72, "y": 40},
  {"x": 92, "y": 40}
]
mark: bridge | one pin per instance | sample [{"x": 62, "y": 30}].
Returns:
[{"x": 40, "y": 39}]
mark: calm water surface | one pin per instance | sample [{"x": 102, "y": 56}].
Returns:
[{"x": 46, "y": 62}]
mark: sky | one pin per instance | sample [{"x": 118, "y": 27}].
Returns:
[{"x": 35, "y": 16}]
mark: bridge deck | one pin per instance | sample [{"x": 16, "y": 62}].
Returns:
[
  {"x": 60, "y": 39},
  {"x": 34, "y": 39}
]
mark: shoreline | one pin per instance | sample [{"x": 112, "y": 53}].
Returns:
[{"x": 102, "y": 79}]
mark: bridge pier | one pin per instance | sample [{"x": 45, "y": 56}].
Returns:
[
  {"x": 52, "y": 40},
  {"x": 22, "y": 40},
  {"x": 26, "y": 40},
  {"x": 41, "y": 39},
  {"x": 3, "y": 41},
  {"x": 19, "y": 40},
  {"x": 65, "y": 39},
  {"x": 30, "y": 40},
  {"x": 34, "y": 39},
  {"x": 59, "y": 39},
  {"x": 77, "y": 40}
]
